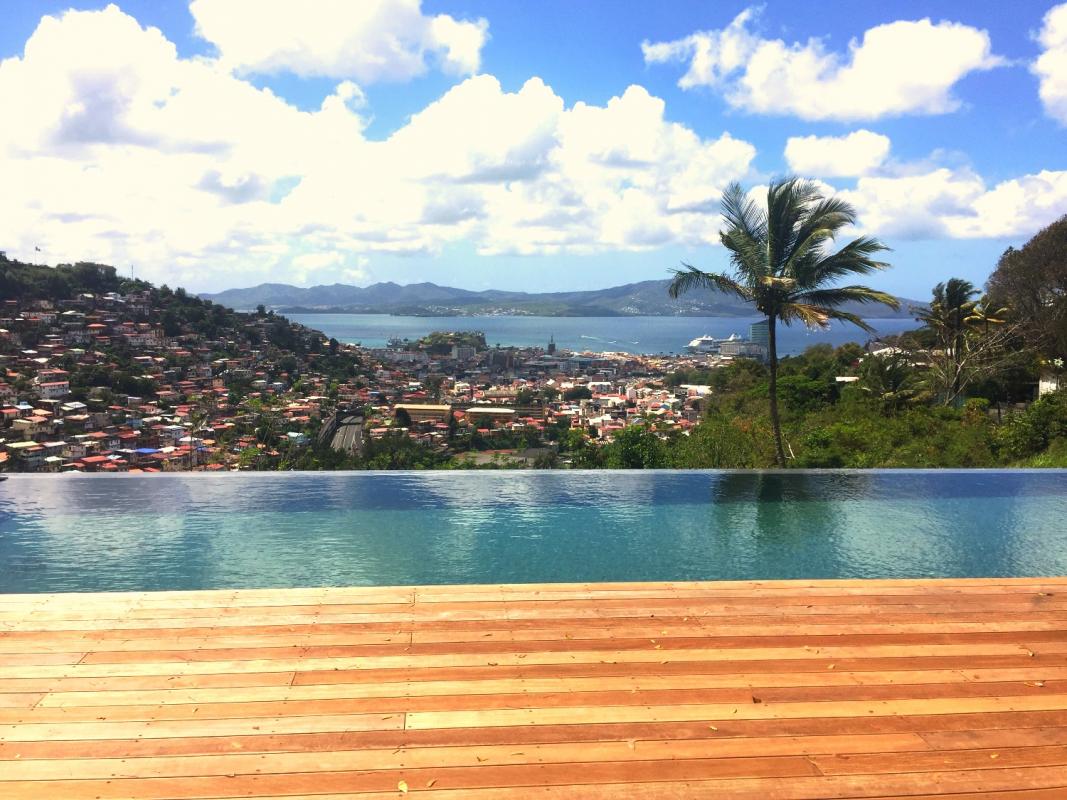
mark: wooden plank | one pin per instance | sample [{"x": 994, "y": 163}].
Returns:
[
  {"x": 474, "y": 701},
  {"x": 520, "y": 737},
  {"x": 996, "y": 758},
  {"x": 241, "y": 763},
  {"x": 776, "y": 778},
  {"x": 714, "y": 712},
  {"x": 1024, "y": 681},
  {"x": 469, "y": 777},
  {"x": 165, "y": 729}
]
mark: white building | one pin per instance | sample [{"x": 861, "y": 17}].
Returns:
[
  {"x": 1050, "y": 382},
  {"x": 53, "y": 390}
]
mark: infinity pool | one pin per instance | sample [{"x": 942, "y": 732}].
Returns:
[{"x": 97, "y": 533}]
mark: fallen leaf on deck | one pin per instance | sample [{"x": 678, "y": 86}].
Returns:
[
  {"x": 402, "y": 787},
  {"x": 712, "y": 727},
  {"x": 431, "y": 782}
]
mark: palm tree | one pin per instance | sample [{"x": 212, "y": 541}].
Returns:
[
  {"x": 198, "y": 418},
  {"x": 951, "y": 306},
  {"x": 985, "y": 313},
  {"x": 782, "y": 265},
  {"x": 889, "y": 379}
]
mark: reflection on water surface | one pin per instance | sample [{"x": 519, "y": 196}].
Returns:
[{"x": 94, "y": 533}]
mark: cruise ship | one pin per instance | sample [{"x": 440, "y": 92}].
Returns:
[{"x": 709, "y": 344}]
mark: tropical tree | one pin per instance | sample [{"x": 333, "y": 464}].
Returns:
[
  {"x": 890, "y": 379},
  {"x": 951, "y": 306},
  {"x": 986, "y": 313},
  {"x": 978, "y": 341},
  {"x": 198, "y": 419},
  {"x": 782, "y": 264},
  {"x": 1032, "y": 281}
]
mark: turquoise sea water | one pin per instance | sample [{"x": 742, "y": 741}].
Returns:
[
  {"x": 620, "y": 334},
  {"x": 97, "y": 533}
]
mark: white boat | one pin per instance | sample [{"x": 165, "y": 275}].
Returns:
[{"x": 709, "y": 344}]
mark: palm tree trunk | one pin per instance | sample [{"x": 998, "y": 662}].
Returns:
[
  {"x": 956, "y": 361},
  {"x": 776, "y": 425}
]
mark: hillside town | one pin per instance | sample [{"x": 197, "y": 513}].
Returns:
[{"x": 132, "y": 380}]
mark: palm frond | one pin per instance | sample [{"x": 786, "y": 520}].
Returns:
[
  {"x": 811, "y": 316},
  {"x": 824, "y": 218},
  {"x": 746, "y": 231},
  {"x": 845, "y": 316},
  {"x": 747, "y": 255},
  {"x": 741, "y": 212},
  {"x": 855, "y": 258},
  {"x": 787, "y": 204},
  {"x": 839, "y": 295},
  {"x": 685, "y": 280},
  {"x": 831, "y": 213}
]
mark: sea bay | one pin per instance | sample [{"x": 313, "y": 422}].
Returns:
[{"x": 599, "y": 334}]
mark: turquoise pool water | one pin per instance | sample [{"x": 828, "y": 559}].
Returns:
[{"x": 97, "y": 533}]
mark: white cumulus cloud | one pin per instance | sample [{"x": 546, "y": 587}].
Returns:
[
  {"x": 369, "y": 40},
  {"x": 858, "y": 153},
  {"x": 957, "y": 203},
  {"x": 124, "y": 152},
  {"x": 902, "y": 67},
  {"x": 1051, "y": 65}
]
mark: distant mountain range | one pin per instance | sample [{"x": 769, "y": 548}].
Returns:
[{"x": 428, "y": 299}]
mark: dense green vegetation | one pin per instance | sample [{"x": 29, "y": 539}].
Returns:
[
  {"x": 62, "y": 282},
  {"x": 825, "y": 424},
  {"x": 441, "y": 342},
  {"x": 393, "y": 451}
]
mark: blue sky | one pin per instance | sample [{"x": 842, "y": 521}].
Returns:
[{"x": 518, "y": 145}]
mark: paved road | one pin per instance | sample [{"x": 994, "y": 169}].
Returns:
[{"x": 349, "y": 436}]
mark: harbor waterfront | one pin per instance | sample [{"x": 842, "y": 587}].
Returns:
[
  {"x": 639, "y": 335},
  {"x": 260, "y": 530}
]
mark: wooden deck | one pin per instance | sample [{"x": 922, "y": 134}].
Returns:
[{"x": 874, "y": 689}]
